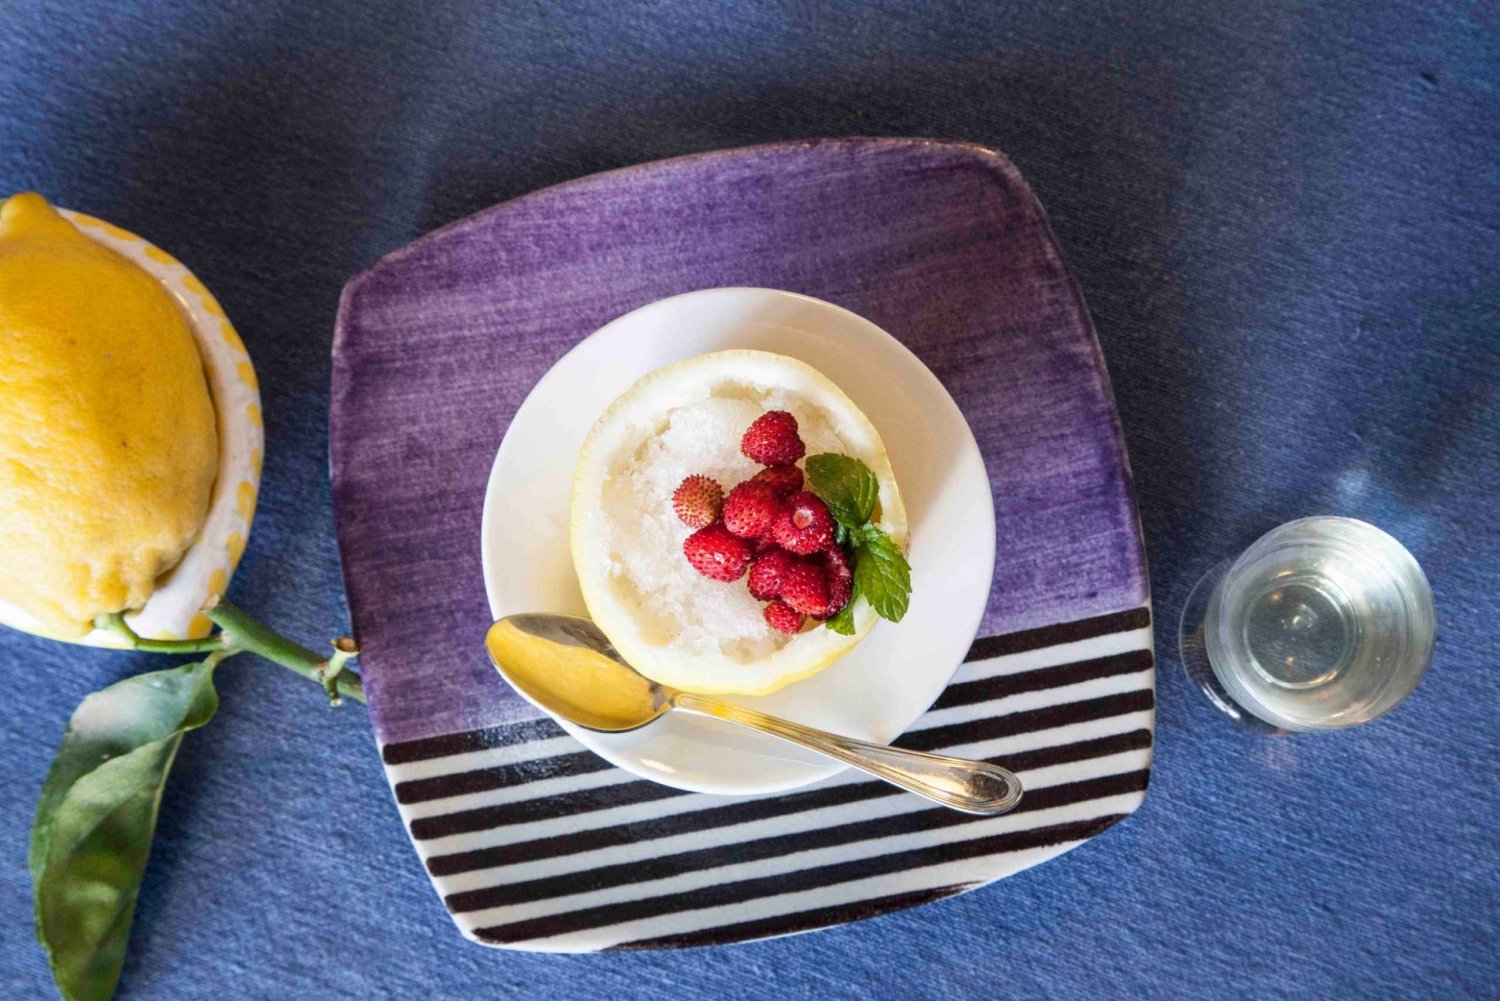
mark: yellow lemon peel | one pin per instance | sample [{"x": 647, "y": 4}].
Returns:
[{"x": 108, "y": 441}]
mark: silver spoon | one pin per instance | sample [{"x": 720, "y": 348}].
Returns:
[{"x": 567, "y": 666}]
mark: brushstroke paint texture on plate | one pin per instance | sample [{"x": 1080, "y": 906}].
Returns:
[{"x": 534, "y": 842}]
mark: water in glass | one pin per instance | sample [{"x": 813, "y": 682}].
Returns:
[{"x": 1322, "y": 623}]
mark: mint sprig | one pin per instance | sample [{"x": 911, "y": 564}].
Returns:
[{"x": 881, "y": 573}]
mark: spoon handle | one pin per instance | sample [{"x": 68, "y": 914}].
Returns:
[{"x": 971, "y": 786}]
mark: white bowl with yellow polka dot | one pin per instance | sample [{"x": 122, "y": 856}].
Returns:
[{"x": 174, "y": 609}]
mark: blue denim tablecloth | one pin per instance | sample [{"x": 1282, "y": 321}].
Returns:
[{"x": 1286, "y": 220}]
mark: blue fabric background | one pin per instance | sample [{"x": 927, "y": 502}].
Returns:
[{"x": 1286, "y": 220}]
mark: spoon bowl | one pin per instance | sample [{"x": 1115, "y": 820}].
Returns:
[{"x": 566, "y": 666}]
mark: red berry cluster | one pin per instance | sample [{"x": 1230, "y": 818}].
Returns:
[{"x": 769, "y": 526}]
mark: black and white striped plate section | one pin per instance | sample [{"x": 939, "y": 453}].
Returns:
[{"x": 535, "y": 843}]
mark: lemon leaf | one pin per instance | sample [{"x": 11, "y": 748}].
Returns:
[
  {"x": 846, "y": 485},
  {"x": 96, "y": 818}
]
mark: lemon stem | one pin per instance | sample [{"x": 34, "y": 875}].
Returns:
[
  {"x": 116, "y": 623},
  {"x": 242, "y": 632}
]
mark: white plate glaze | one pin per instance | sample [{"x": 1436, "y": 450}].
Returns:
[{"x": 880, "y": 688}]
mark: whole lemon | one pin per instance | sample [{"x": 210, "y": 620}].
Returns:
[{"x": 108, "y": 444}]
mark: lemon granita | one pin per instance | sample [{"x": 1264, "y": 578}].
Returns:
[
  {"x": 670, "y": 511},
  {"x": 108, "y": 438}
]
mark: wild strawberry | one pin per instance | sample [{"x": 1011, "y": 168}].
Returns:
[
  {"x": 697, "y": 500},
  {"x": 717, "y": 554},
  {"x": 750, "y": 508},
  {"x": 765, "y": 573},
  {"x": 803, "y": 587},
  {"x": 785, "y": 480},
  {"x": 804, "y": 525},
  {"x": 840, "y": 579},
  {"x": 772, "y": 439},
  {"x": 783, "y": 618}
]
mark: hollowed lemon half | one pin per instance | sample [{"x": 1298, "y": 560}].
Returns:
[{"x": 672, "y": 624}]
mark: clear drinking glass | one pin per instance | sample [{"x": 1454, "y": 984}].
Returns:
[{"x": 1323, "y": 623}]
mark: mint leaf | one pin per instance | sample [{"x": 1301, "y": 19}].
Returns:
[
  {"x": 882, "y": 574},
  {"x": 843, "y": 623},
  {"x": 846, "y": 485}
]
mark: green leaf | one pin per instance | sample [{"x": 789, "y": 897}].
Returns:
[
  {"x": 843, "y": 622},
  {"x": 846, "y": 485},
  {"x": 882, "y": 575},
  {"x": 97, "y": 815}
]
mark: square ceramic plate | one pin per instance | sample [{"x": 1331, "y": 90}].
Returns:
[{"x": 534, "y": 842}]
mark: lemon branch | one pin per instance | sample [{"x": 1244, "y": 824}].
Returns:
[{"x": 238, "y": 632}]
